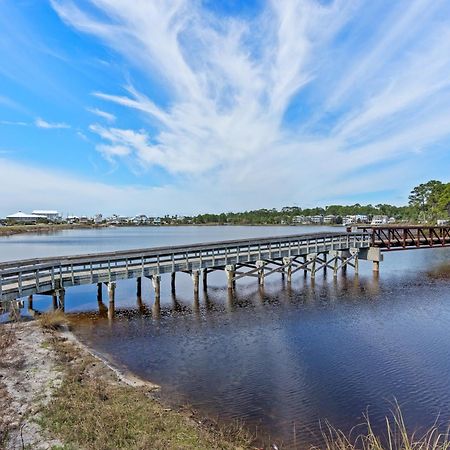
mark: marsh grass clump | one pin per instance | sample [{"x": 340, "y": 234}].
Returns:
[
  {"x": 395, "y": 436},
  {"x": 54, "y": 320}
]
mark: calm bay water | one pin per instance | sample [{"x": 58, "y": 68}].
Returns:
[{"x": 282, "y": 357}]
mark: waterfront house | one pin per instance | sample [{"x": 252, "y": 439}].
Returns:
[{"x": 51, "y": 215}]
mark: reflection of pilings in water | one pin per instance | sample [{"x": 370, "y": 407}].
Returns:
[
  {"x": 230, "y": 299},
  {"x": 176, "y": 306},
  {"x": 196, "y": 304},
  {"x": 140, "y": 304},
  {"x": 209, "y": 305},
  {"x": 262, "y": 293},
  {"x": 156, "y": 308}
]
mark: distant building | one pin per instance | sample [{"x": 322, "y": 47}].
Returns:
[
  {"x": 73, "y": 219},
  {"x": 330, "y": 218},
  {"x": 379, "y": 220},
  {"x": 356, "y": 218},
  {"x": 299, "y": 219},
  {"x": 98, "y": 218},
  {"x": 53, "y": 216},
  {"x": 442, "y": 222},
  {"x": 25, "y": 218},
  {"x": 316, "y": 219},
  {"x": 140, "y": 219}
]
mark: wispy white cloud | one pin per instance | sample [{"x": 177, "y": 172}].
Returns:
[
  {"x": 14, "y": 123},
  {"x": 103, "y": 114},
  {"x": 41, "y": 123},
  {"x": 230, "y": 85}
]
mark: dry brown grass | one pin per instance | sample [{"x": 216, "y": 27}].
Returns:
[
  {"x": 7, "y": 341},
  {"x": 92, "y": 410},
  {"x": 395, "y": 437},
  {"x": 53, "y": 320}
]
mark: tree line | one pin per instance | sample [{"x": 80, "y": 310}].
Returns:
[{"x": 427, "y": 203}]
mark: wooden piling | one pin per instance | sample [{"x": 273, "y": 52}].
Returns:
[
  {"x": 172, "y": 281},
  {"x": 205, "y": 279},
  {"x": 261, "y": 265},
  {"x": 230, "y": 271},
  {"x": 156, "y": 282},
  {"x": 112, "y": 299},
  {"x": 195, "y": 280},
  {"x": 138, "y": 287}
]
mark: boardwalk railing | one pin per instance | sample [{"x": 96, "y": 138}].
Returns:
[
  {"x": 408, "y": 237},
  {"x": 44, "y": 275}
]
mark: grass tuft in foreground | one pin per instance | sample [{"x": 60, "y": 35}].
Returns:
[
  {"x": 92, "y": 410},
  {"x": 53, "y": 320},
  {"x": 395, "y": 437}
]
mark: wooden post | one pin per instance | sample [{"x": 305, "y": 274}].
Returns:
[
  {"x": 99, "y": 293},
  {"x": 205, "y": 279},
  {"x": 261, "y": 265},
  {"x": 156, "y": 281},
  {"x": 195, "y": 279},
  {"x": 30, "y": 302},
  {"x": 54, "y": 300},
  {"x": 312, "y": 258},
  {"x": 230, "y": 271},
  {"x": 288, "y": 262},
  {"x": 325, "y": 259},
  {"x": 138, "y": 287},
  {"x": 112, "y": 299},
  {"x": 62, "y": 294},
  {"x": 376, "y": 266},
  {"x": 172, "y": 281}
]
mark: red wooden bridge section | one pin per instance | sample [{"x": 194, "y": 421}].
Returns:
[{"x": 397, "y": 237}]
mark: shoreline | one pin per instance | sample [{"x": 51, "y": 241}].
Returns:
[
  {"x": 57, "y": 392},
  {"x": 12, "y": 230}
]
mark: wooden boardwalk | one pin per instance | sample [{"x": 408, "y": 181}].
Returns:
[{"x": 256, "y": 257}]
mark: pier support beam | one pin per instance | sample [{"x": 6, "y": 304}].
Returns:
[
  {"x": 230, "y": 271},
  {"x": 372, "y": 254},
  {"x": 260, "y": 264}
]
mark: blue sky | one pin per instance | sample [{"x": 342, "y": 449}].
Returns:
[{"x": 179, "y": 106}]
